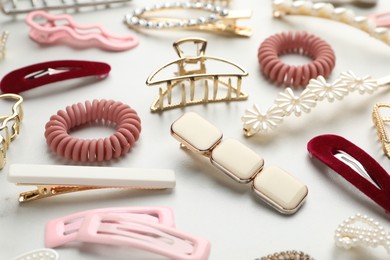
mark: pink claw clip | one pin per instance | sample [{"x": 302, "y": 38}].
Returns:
[
  {"x": 137, "y": 233},
  {"x": 55, "y": 28},
  {"x": 65, "y": 229}
]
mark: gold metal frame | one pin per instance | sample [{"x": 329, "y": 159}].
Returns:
[
  {"x": 16, "y": 117},
  {"x": 380, "y": 125},
  {"x": 234, "y": 93}
]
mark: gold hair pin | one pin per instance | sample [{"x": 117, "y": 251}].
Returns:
[
  {"x": 380, "y": 122},
  {"x": 12, "y": 120},
  {"x": 185, "y": 78},
  {"x": 220, "y": 20}
]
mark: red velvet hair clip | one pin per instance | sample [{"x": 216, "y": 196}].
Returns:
[
  {"x": 40, "y": 74},
  {"x": 354, "y": 165}
]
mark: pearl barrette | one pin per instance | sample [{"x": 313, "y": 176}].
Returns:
[
  {"x": 220, "y": 19},
  {"x": 370, "y": 234},
  {"x": 328, "y": 11},
  {"x": 39, "y": 254},
  {"x": 288, "y": 103}
]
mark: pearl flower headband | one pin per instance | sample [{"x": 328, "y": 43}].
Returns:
[
  {"x": 371, "y": 234},
  {"x": 287, "y": 103},
  {"x": 328, "y": 11}
]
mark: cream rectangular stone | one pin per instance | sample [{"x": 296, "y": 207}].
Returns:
[
  {"x": 236, "y": 160},
  {"x": 196, "y": 132},
  {"x": 280, "y": 189}
]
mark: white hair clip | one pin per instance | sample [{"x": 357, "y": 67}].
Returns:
[
  {"x": 369, "y": 234},
  {"x": 328, "y": 11},
  {"x": 288, "y": 103},
  {"x": 39, "y": 254}
]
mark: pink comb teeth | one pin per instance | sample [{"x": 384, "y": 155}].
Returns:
[{"x": 58, "y": 28}]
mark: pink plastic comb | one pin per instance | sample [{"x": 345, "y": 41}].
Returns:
[
  {"x": 64, "y": 230},
  {"x": 56, "y": 28},
  {"x": 134, "y": 232}
]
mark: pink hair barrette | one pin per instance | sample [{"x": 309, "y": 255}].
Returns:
[
  {"x": 149, "y": 229},
  {"x": 48, "y": 31},
  {"x": 63, "y": 230}
]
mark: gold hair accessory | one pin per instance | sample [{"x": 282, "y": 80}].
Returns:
[
  {"x": 12, "y": 120},
  {"x": 293, "y": 255},
  {"x": 328, "y": 11},
  {"x": 220, "y": 20},
  {"x": 194, "y": 78},
  {"x": 53, "y": 180},
  {"x": 380, "y": 122},
  {"x": 275, "y": 186}
]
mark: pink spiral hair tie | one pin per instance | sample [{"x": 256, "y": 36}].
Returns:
[
  {"x": 127, "y": 122},
  {"x": 300, "y": 43}
]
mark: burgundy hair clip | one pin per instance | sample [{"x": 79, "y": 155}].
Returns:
[
  {"x": 354, "y": 165},
  {"x": 40, "y": 74}
]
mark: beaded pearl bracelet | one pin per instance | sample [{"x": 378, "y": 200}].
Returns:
[
  {"x": 300, "y": 43},
  {"x": 126, "y": 119}
]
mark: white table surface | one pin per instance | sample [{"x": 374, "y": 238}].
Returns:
[{"x": 205, "y": 202}]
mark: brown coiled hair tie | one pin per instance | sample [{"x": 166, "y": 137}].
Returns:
[
  {"x": 299, "y": 43},
  {"x": 125, "y": 118}
]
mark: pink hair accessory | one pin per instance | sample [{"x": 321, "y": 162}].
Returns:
[
  {"x": 149, "y": 236},
  {"x": 55, "y": 28},
  {"x": 126, "y": 119},
  {"x": 300, "y": 43},
  {"x": 381, "y": 19},
  {"x": 65, "y": 229}
]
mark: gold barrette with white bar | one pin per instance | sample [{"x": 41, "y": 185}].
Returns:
[
  {"x": 52, "y": 180},
  {"x": 9, "y": 125},
  {"x": 190, "y": 73},
  {"x": 276, "y": 187}
]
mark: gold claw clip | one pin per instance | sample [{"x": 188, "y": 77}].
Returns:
[
  {"x": 190, "y": 73},
  {"x": 52, "y": 180},
  {"x": 220, "y": 19},
  {"x": 12, "y": 121}
]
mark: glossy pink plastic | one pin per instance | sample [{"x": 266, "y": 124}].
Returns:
[
  {"x": 56, "y": 28},
  {"x": 65, "y": 229},
  {"x": 123, "y": 230}
]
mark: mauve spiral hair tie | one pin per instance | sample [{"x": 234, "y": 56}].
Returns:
[
  {"x": 300, "y": 43},
  {"x": 127, "y": 122}
]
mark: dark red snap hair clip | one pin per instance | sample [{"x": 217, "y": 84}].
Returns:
[
  {"x": 354, "y": 165},
  {"x": 40, "y": 74}
]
